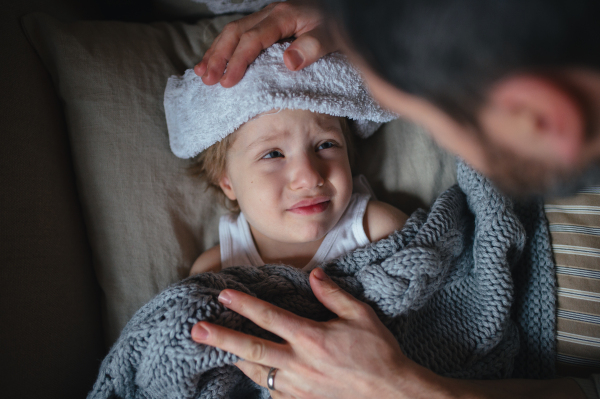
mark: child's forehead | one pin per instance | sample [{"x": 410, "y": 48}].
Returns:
[
  {"x": 286, "y": 121},
  {"x": 292, "y": 126}
]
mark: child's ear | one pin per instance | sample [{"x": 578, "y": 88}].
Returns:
[{"x": 225, "y": 184}]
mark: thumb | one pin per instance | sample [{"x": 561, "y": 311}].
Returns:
[
  {"x": 334, "y": 298},
  {"x": 308, "y": 48}
]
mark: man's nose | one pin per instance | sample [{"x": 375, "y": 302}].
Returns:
[{"x": 306, "y": 173}]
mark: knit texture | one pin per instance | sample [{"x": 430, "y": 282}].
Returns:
[
  {"x": 199, "y": 115},
  {"x": 467, "y": 290},
  {"x": 219, "y": 7}
]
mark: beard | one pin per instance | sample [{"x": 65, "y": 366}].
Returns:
[{"x": 522, "y": 177}]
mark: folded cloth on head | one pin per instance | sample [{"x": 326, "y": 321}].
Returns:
[
  {"x": 199, "y": 115},
  {"x": 468, "y": 290}
]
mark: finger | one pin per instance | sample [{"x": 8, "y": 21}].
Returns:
[
  {"x": 250, "y": 45},
  {"x": 200, "y": 68},
  {"x": 270, "y": 317},
  {"x": 279, "y": 24},
  {"x": 214, "y": 70},
  {"x": 248, "y": 347},
  {"x": 283, "y": 21},
  {"x": 256, "y": 372},
  {"x": 308, "y": 48},
  {"x": 226, "y": 42},
  {"x": 259, "y": 374},
  {"x": 336, "y": 299},
  {"x": 220, "y": 52}
]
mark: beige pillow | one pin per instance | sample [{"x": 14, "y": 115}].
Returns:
[{"x": 146, "y": 219}]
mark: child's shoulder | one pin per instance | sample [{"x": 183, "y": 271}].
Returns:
[
  {"x": 208, "y": 261},
  {"x": 382, "y": 219}
]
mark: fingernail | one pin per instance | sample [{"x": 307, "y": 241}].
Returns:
[
  {"x": 199, "y": 333},
  {"x": 320, "y": 274},
  {"x": 224, "y": 297},
  {"x": 295, "y": 58}
]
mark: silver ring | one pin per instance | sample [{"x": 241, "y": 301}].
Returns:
[{"x": 271, "y": 378}]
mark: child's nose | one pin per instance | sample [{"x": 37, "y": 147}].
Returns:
[{"x": 305, "y": 174}]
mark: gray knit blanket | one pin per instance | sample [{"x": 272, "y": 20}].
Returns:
[{"x": 467, "y": 289}]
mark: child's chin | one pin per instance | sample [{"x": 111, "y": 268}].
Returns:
[{"x": 309, "y": 235}]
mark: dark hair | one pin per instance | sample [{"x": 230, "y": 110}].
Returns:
[{"x": 450, "y": 51}]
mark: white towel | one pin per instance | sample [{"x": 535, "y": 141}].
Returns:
[{"x": 199, "y": 115}]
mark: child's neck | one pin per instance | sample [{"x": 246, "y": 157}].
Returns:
[{"x": 294, "y": 254}]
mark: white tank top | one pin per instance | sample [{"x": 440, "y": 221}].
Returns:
[{"x": 238, "y": 249}]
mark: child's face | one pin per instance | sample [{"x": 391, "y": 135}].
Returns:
[{"x": 290, "y": 173}]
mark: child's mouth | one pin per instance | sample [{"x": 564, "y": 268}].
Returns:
[{"x": 310, "y": 208}]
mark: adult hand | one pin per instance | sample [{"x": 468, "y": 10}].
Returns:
[
  {"x": 241, "y": 41},
  {"x": 353, "y": 356}
]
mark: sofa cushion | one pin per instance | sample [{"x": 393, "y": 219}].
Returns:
[
  {"x": 147, "y": 219},
  {"x": 575, "y": 229}
]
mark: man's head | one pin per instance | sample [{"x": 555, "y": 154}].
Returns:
[{"x": 513, "y": 86}]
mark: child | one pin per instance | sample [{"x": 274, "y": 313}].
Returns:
[{"x": 274, "y": 148}]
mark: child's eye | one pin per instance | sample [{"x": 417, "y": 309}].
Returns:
[
  {"x": 325, "y": 145},
  {"x": 273, "y": 154}
]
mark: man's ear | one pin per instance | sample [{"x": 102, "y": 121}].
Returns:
[
  {"x": 225, "y": 184},
  {"x": 542, "y": 117}
]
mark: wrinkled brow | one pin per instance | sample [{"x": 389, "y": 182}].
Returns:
[
  {"x": 261, "y": 140},
  {"x": 326, "y": 126}
]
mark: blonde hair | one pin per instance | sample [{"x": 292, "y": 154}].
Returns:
[{"x": 211, "y": 163}]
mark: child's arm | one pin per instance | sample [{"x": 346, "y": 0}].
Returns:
[
  {"x": 209, "y": 261},
  {"x": 381, "y": 220}
]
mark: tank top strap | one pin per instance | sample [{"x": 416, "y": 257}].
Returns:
[
  {"x": 236, "y": 244},
  {"x": 349, "y": 233},
  {"x": 238, "y": 248},
  {"x": 361, "y": 185}
]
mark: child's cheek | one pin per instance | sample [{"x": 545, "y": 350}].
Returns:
[{"x": 269, "y": 167}]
